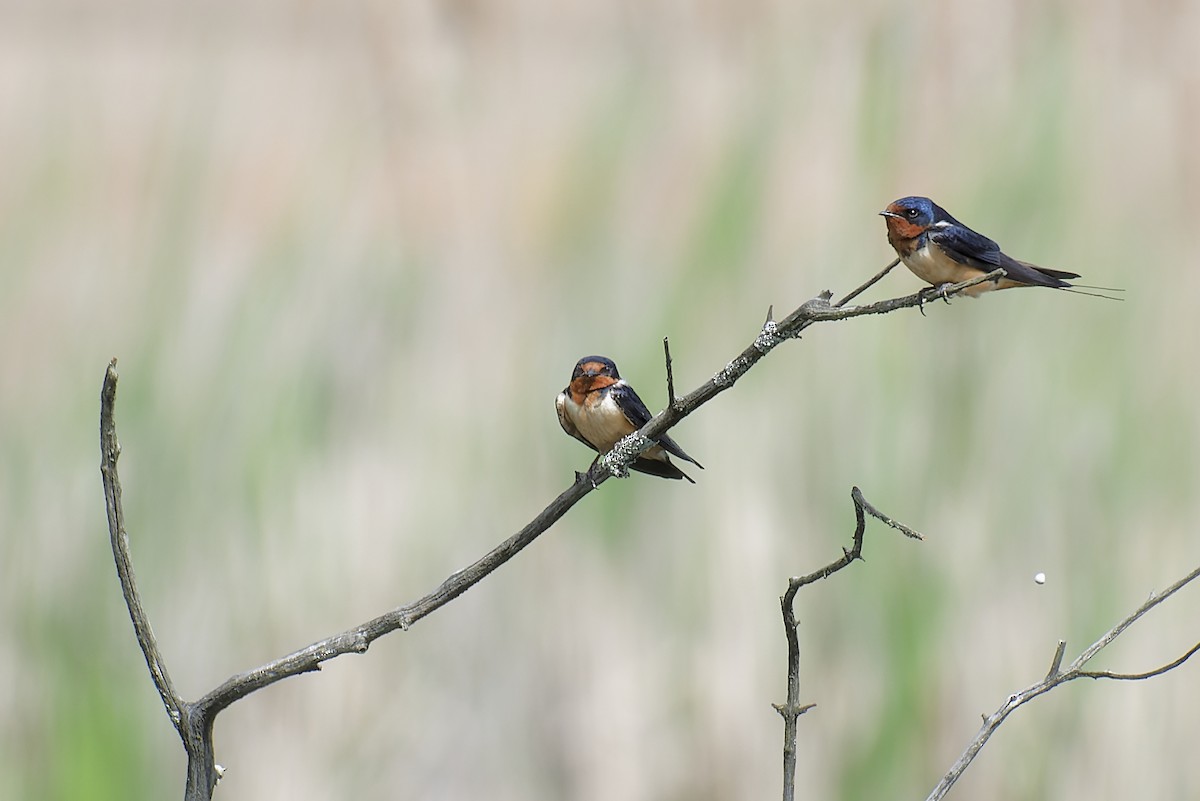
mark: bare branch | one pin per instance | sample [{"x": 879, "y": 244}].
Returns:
[
  {"x": 793, "y": 709},
  {"x": 817, "y": 310},
  {"x": 358, "y": 639},
  {"x": 194, "y": 721},
  {"x": 1151, "y": 602},
  {"x": 195, "y": 732},
  {"x": 911, "y": 533},
  {"x": 1054, "y": 678}
]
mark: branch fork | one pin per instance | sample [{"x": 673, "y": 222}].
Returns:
[{"x": 793, "y": 709}]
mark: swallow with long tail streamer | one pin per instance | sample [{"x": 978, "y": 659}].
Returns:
[{"x": 942, "y": 251}]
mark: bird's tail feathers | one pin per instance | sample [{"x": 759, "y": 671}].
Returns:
[
  {"x": 672, "y": 447},
  {"x": 1061, "y": 275},
  {"x": 656, "y": 467}
]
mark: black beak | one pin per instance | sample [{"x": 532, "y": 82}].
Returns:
[{"x": 886, "y": 213}]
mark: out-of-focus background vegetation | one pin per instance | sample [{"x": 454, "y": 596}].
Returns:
[{"x": 348, "y": 253}]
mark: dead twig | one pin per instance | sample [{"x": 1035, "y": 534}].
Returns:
[
  {"x": 793, "y": 709},
  {"x": 874, "y": 280},
  {"x": 1057, "y": 676},
  {"x": 670, "y": 374}
]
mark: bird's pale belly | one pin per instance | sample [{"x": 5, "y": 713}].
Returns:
[
  {"x": 934, "y": 266},
  {"x": 601, "y": 424},
  {"x": 604, "y": 424}
]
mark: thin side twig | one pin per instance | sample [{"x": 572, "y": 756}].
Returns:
[
  {"x": 1057, "y": 676},
  {"x": 793, "y": 709},
  {"x": 670, "y": 374},
  {"x": 874, "y": 280},
  {"x": 110, "y": 451},
  {"x": 1149, "y": 674}
]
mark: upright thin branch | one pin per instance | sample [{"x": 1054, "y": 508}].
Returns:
[
  {"x": 793, "y": 709},
  {"x": 670, "y": 373},
  {"x": 1057, "y": 676},
  {"x": 870, "y": 283},
  {"x": 194, "y": 721},
  {"x": 110, "y": 451}
]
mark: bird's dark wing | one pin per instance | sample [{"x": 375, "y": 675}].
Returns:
[
  {"x": 966, "y": 246},
  {"x": 636, "y": 413},
  {"x": 560, "y": 405},
  {"x": 975, "y": 250}
]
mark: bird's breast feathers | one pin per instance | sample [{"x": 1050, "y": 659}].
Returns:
[
  {"x": 930, "y": 263},
  {"x": 599, "y": 419}
]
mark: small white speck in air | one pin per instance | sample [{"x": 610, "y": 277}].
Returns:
[{"x": 1040, "y": 578}]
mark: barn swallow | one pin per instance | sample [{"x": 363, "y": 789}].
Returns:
[
  {"x": 598, "y": 408},
  {"x": 941, "y": 250}
]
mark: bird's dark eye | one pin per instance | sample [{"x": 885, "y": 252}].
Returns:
[{"x": 911, "y": 213}]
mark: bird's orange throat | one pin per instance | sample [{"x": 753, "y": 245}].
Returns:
[{"x": 586, "y": 384}]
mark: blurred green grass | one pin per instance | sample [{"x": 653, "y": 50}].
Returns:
[{"x": 347, "y": 258}]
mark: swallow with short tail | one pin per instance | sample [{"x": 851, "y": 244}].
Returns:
[
  {"x": 598, "y": 408},
  {"x": 942, "y": 251}
]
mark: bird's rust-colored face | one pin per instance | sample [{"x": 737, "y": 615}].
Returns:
[
  {"x": 904, "y": 221},
  {"x": 592, "y": 375}
]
